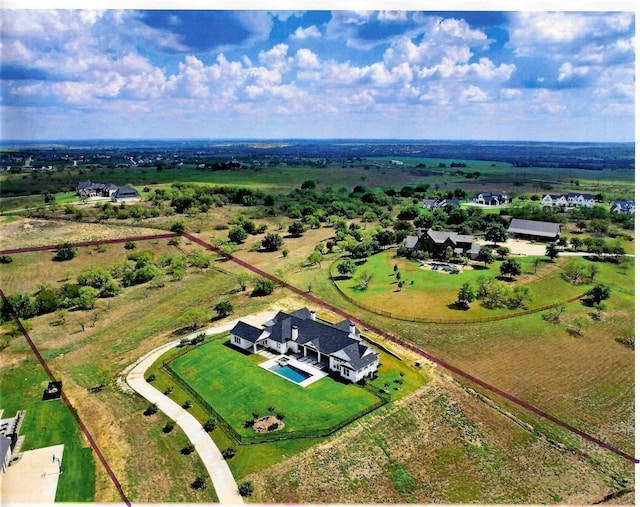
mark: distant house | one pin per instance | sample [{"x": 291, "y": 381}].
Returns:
[
  {"x": 492, "y": 198},
  {"x": 576, "y": 200},
  {"x": 90, "y": 189},
  {"x": 437, "y": 242},
  {"x": 534, "y": 230},
  {"x": 337, "y": 347},
  {"x": 624, "y": 207},
  {"x": 432, "y": 204},
  {"x": 125, "y": 194},
  {"x": 555, "y": 200}
]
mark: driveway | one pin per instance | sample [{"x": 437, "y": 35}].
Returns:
[{"x": 216, "y": 465}]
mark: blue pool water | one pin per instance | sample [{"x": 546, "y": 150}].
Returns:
[{"x": 291, "y": 372}]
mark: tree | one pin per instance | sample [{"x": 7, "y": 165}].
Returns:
[
  {"x": 209, "y": 425},
  {"x": 552, "y": 251},
  {"x": 272, "y": 241},
  {"x": 346, "y": 267},
  {"x": 385, "y": 238},
  {"x": 466, "y": 295},
  {"x": 224, "y": 308},
  {"x": 65, "y": 252},
  {"x": 519, "y": 296},
  {"x": 363, "y": 279},
  {"x": 130, "y": 245},
  {"x": 263, "y": 287},
  {"x": 573, "y": 272},
  {"x": 485, "y": 255},
  {"x": 297, "y": 228},
  {"x": 503, "y": 252},
  {"x": 315, "y": 257},
  {"x": 177, "y": 227},
  {"x": 87, "y": 297},
  {"x": 575, "y": 242},
  {"x": 242, "y": 279},
  {"x": 237, "y": 235},
  {"x": 194, "y": 318},
  {"x": 592, "y": 271},
  {"x": 495, "y": 232},
  {"x": 510, "y": 268},
  {"x": 599, "y": 293}
]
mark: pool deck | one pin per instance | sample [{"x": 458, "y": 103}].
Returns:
[{"x": 315, "y": 373}]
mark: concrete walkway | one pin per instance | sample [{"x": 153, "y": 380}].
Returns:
[{"x": 221, "y": 477}]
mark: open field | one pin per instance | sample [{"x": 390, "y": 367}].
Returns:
[
  {"x": 431, "y": 295},
  {"x": 438, "y": 445},
  {"x": 435, "y": 443}
]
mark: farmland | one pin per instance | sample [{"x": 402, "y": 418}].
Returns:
[{"x": 441, "y": 439}]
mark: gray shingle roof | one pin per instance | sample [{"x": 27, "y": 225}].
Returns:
[{"x": 246, "y": 331}]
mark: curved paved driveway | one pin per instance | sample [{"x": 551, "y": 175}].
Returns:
[{"x": 221, "y": 477}]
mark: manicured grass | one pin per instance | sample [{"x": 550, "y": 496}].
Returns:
[
  {"x": 430, "y": 294},
  {"x": 236, "y": 387},
  {"x": 49, "y": 423}
]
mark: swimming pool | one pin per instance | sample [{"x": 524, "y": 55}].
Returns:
[{"x": 290, "y": 372}]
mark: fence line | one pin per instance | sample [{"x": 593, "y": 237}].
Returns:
[
  {"x": 424, "y": 320},
  {"x": 383, "y": 399}
]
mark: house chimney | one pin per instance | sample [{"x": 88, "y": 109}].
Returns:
[
  {"x": 313, "y": 315},
  {"x": 294, "y": 333},
  {"x": 352, "y": 329}
]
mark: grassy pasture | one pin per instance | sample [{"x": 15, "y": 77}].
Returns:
[{"x": 431, "y": 294}]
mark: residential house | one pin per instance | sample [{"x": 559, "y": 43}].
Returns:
[
  {"x": 624, "y": 207},
  {"x": 9, "y": 429},
  {"x": 432, "y": 204},
  {"x": 437, "y": 242},
  {"x": 338, "y": 347},
  {"x": 581, "y": 200},
  {"x": 555, "y": 200},
  {"x": 90, "y": 189},
  {"x": 411, "y": 242},
  {"x": 492, "y": 198},
  {"x": 534, "y": 230},
  {"x": 125, "y": 194}
]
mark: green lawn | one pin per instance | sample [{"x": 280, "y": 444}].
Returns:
[
  {"x": 431, "y": 294},
  {"x": 49, "y": 423},
  {"x": 236, "y": 387}
]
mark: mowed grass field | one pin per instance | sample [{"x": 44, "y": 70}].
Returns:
[
  {"x": 236, "y": 386},
  {"x": 431, "y": 295}
]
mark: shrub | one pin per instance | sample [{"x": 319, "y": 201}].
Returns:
[
  {"x": 151, "y": 409},
  {"x": 187, "y": 404},
  {"x": 228, "y": 453},
  {"x": 130, "y": 245},
  {"x": 187, "y": 450},
  {"x": 199, "y": 483},
  {"x": 151, "y": 378},
  {"x": 246, "y": 489},
  {"x": 168, "y": 428},
  {"x": 209, "y": 425},
  {"x": 263, "y": 287},
  {"x": 5, "y": 259}
]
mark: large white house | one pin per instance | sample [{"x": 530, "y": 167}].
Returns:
[
  {"x": 337, "y": 347},
  {"x": 571, "y": 200}
]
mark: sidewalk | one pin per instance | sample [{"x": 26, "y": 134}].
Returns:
[{"x": 216, "y": 465}]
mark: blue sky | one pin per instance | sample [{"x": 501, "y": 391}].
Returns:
[{"x": 80, "y": 74}]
